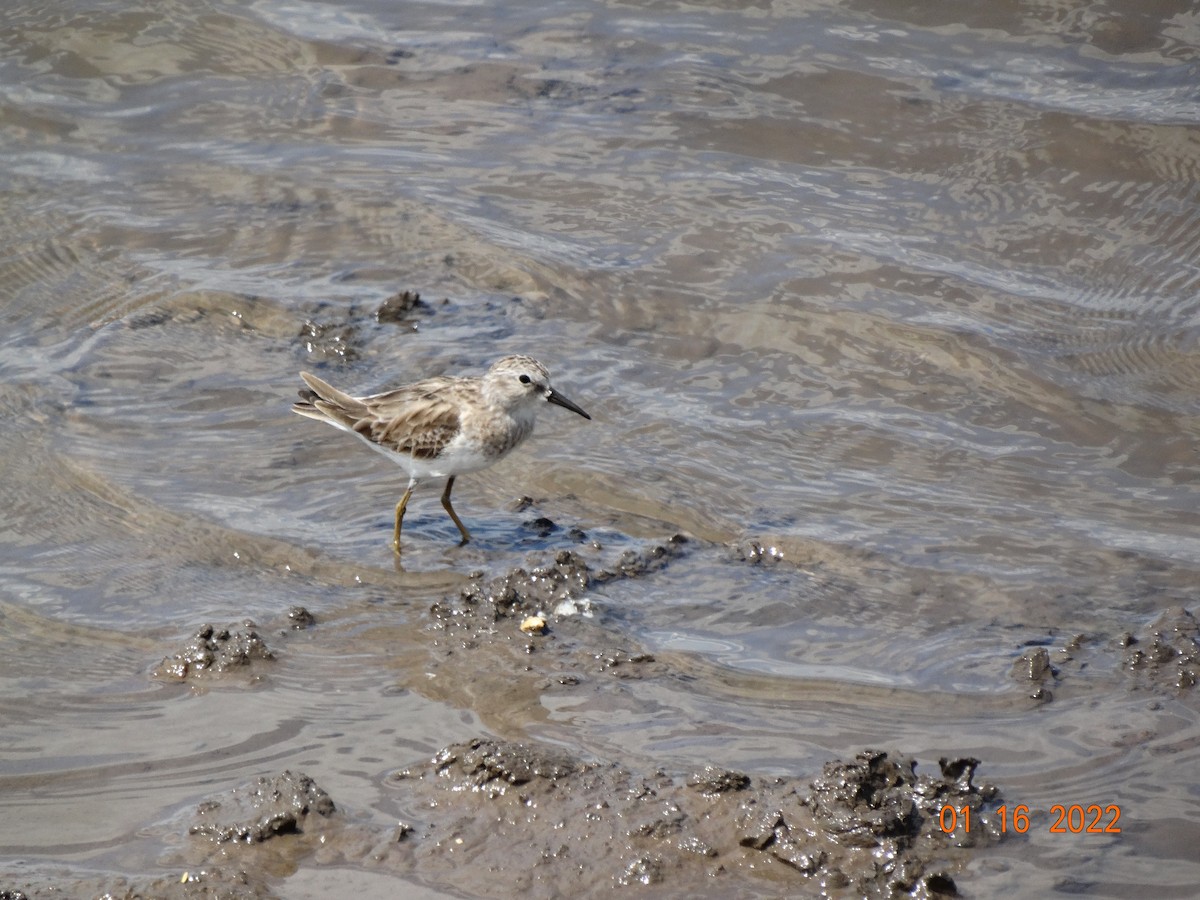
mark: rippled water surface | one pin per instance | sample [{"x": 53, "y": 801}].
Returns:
[{"x": 907, "y": 294}]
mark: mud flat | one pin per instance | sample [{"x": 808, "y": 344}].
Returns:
[
  {"x": 494, "y": 816},
  {"x": 497, "y": 818}
]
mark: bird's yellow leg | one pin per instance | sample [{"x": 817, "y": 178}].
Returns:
[
  {"x": 466, "y": 535},
  {"x": 400, "y": 507}
]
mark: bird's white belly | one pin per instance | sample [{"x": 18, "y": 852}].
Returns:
[{"x": 459, "y": 457}]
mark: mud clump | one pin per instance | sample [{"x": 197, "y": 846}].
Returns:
[
  {"x": 528, "y": 817},
  {"x": 1033, "y": 668},
  {"x": 213, "y": 651},
  {"x": 299, "y": 618},
  {"x": 562, "y": 583},
  {"x": 1165, "y": 657},
  {"x": 483, "y": 761},
  {"x": 488, "y": 817},
  {"x": 518, "y": 593},
  {"x": 266, "y": 808},
  {"x": 338, "y": 334},
  {"x": 713, "y": 781},
  {"x": 242, "y": 838},
  {"x": 399, "y": 307},
  {"x": 639, "y": 563},
  {"x": 1171, "y": 654},
  {"x": 541, "y": 603},
  {"x": 621, "y": 662},
  {"x": 870, "y": 824}
]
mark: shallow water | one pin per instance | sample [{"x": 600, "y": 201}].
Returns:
[{"x": 907, "y": 292}]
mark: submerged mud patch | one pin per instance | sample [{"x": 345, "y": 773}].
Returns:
[
  {"x": 399, "y": 307},
  {"x": 1164, "y": 656},
  {"x": 1169, "y": 654},
  {"x": 342, "y": 338}
]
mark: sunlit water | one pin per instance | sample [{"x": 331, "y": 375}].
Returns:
[{"x": 909, "y": 292}]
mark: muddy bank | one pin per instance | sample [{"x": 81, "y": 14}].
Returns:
[
  {"x": 545, "y": 822},
  {"x": 226, "y": 882},
  {"x": 504, "y": 814},
  {"x": 497, "y": 818}
]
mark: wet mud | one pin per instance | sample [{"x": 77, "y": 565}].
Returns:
[
  {"x": 267, "y": 808},
  {"x": 400, "y": 307},
  {"x": 1168, "y": 653},
  {"x": 1164, "y": 656},
  {"x": 546, "y": 822},
  {"x": 559, "y": 587},
  {"x": 233, "y": 650},
  {"x": 340, "y": 337},
  {"x": 225, "y": 882},
  {"x": 217, "y": 651},
  {"x": 497, "y": 818},
  {"x": 327, "y": 332},
  {"x": 936, "y": 461}
]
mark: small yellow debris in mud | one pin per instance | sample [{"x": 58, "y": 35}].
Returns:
[{"x": 533, "y": 625}]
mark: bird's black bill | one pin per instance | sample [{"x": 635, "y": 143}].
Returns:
[{"x": 553, "y": 396}]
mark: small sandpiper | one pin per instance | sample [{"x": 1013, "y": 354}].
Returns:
[{"x": 441, "y": 427}]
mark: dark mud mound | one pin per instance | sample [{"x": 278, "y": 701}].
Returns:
[
  {"x": 399, "y": 307},
  {"x": 552, "y": 591},
  {"x": 263, "y": 809},
  {"x": 240, "y": 840},
  {"x": 510, "y": 817},
  {"x": 557, "y": 585},
  {"x": 216, "y": 651}
]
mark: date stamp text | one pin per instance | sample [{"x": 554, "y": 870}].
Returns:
[{"x": 1063, "y": 819}]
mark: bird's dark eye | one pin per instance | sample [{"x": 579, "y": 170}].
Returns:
[{"x": 525, "y": 379}]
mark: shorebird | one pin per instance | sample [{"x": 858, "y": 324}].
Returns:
[{"x": 441, "y": 427}]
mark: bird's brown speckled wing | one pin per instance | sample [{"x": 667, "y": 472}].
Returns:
[{"x": 419, "y": 419}]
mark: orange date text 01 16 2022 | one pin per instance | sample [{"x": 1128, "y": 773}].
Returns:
[{"x": 1073, "y": 819}]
